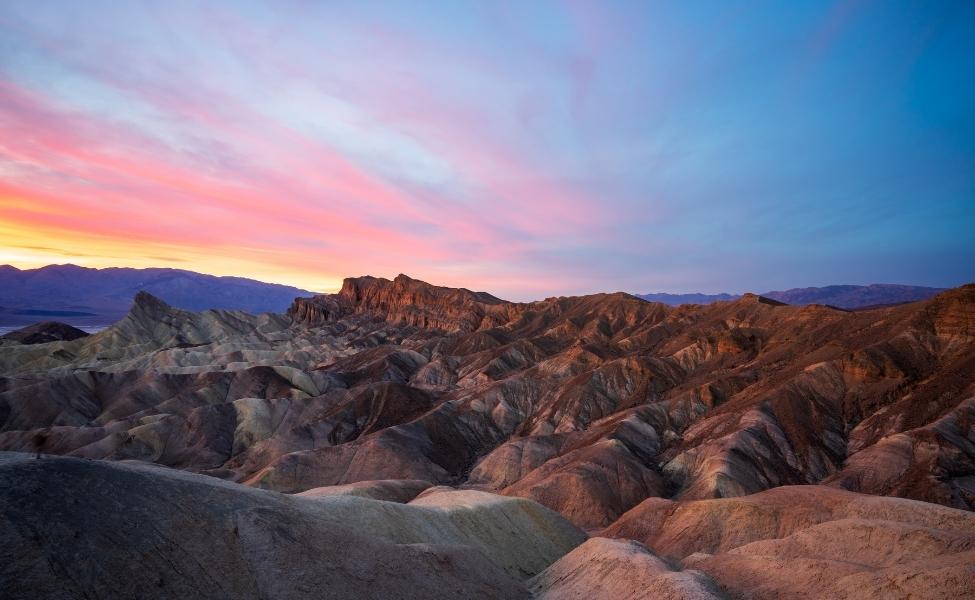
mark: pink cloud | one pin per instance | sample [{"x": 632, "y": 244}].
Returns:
[{"x": 281, "y": 191}]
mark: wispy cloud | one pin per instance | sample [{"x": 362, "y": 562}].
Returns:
[{"x": 558, "y": 148}]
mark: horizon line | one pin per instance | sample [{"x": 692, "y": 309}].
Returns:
[{"x": 337, "y": 288}]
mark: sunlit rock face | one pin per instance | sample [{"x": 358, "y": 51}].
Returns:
[
  {"x": 588, "y": 405},
  {"x": 811, "y": 542}
]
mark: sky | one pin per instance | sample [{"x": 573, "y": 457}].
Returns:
[{"x": 528, "y": 149}]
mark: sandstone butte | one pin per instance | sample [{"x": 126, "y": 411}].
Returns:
[{"x": 465, "y": 446}]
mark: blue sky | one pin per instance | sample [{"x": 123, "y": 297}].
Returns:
[{"x": 528, "y": 149}]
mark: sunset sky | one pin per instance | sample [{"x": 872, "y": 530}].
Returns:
[{"x": 524, "y": 148}]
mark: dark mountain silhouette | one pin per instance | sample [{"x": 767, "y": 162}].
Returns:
[
  {"x": 856, "y": 296},
  {"x": 678, "y": 299},
  {"x": 42, "y": 333},
  {"x": 850, "y": 297},
  {"x": 84, "y": 296}
]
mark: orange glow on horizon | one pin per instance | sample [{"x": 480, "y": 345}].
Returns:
[{"x": 34, "y": 247}]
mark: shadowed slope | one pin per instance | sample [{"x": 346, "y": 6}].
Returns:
[{"x": 78, "y": 528}]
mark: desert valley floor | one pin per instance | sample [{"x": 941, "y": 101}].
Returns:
[{"x": 402, "y": 440}]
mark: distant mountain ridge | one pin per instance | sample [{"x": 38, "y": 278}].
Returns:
[
  {"x": 678, "y": 299},
  {"x": 840, "y": 296},
  {"x": 856, "y": 296},
  {"x": 85, "y": 296}
]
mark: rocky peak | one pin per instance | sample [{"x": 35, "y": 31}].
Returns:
[
  {"x": 373, "y": 291},
  {"x": 319, "y": 309},
  {"x": 750, "y": 298},
  {"x": 405, "y": 301},
  {"x": 148, "y": 311},
  {"x": 417, "y": 303},
  {"x": 146, "y": 302},
  {"x": 952, "y": 313}
]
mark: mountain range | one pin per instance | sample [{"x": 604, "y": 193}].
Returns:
[
  {"x": 850, "y": 297},
  {"x": 466, "y": 446},
  {"x": 85, "y": 296}
]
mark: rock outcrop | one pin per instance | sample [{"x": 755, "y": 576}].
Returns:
[{"x": 406, "y": 301}]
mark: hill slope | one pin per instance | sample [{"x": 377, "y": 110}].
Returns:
[{"x": 150, "y": 532}]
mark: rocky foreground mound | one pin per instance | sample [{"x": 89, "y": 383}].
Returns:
[
  {"x": 812, "y": 542},
  {"x": 87, "y": 529},
  {"x": 75, "y": 528}
]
